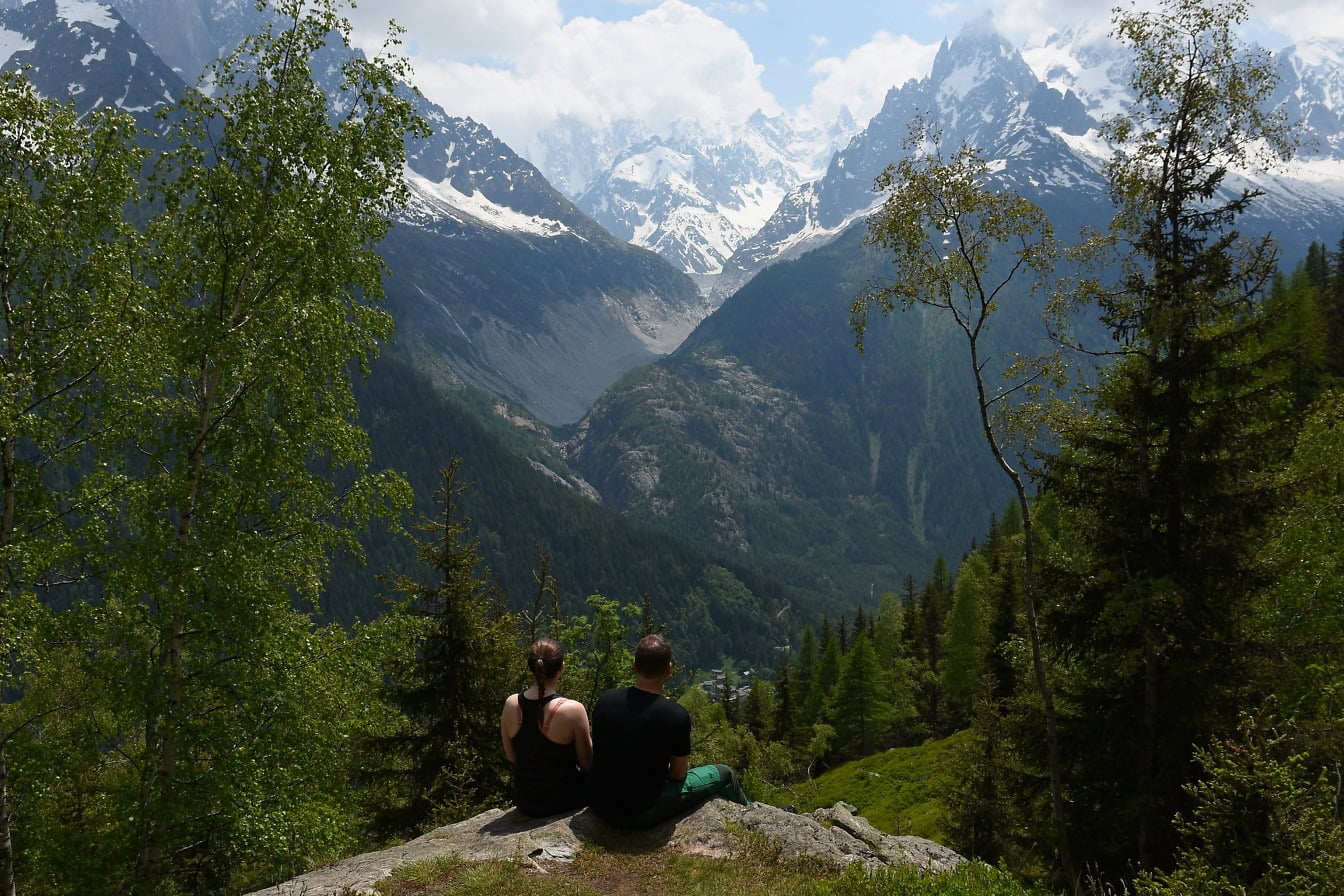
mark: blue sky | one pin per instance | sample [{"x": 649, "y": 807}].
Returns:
[
  {"x": 515, "y": 65},
  {"x": 787, "y": 37}
]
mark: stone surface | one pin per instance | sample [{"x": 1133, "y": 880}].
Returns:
[{"x": 835, "y": 835}]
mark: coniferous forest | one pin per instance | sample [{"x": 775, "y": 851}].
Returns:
[{"x": 1140, "y": 663}]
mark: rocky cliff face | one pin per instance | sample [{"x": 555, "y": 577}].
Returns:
[
  {"x": 496, "y": 279},
  {"x": 834, "y": 835}
]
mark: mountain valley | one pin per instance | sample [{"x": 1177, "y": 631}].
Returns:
[{"x": 655, "y": 341}]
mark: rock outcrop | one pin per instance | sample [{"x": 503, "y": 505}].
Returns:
[{"x": 836, "y": 834}]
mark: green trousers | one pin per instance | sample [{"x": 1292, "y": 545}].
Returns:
[{"x": 700, "y": 785}]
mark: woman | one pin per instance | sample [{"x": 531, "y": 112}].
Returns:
[{"x": 546, "y": 738}]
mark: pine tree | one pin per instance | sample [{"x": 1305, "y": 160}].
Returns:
[
  {"x": 447, "y": 760},
  {"x": 786, "y": 704},
  {"x": 758, "y": 710},
  {"x": 965, "y": 640},
  {"x": 828, "y": 673},
  {"x": 1297, "y": 333},
  {"x": 805, "y": 677},
  {"x": 863, "y": 704},
  {"x": 1165, "y": 482}
]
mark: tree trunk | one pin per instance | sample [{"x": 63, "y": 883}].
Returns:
[
  {"x": 161, "y": 751},
  {"x": 6, "y": 839},
  {"x": 1148, "y": 755},
  {"x": 1054, "y": 763},
  {"x": 8, "y": 500}
]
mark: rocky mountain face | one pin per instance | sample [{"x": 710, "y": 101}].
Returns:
[
  {"x": 1311, "y": 90},
  {"x": 87, "y": 53},
  {"x": 980, "y": 91},
  {"x": 839, "y": 472},
  {"x": 191, "y": 34},
  {"x": 497, "y": 280}
]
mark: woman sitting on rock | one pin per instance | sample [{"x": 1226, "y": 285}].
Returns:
[{"x": 546, "y": 738}]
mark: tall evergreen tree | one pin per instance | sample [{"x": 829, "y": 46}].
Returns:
[
  {"x": 806, "y": 676},
  {"x": 965, "y": 640},
  {"x": 444, "y": 763},
  {"x": 863, "y": 705},
  {"x": 1297, "y": 332},
  {"x": 1165, "y": 480},
  {"x": 828, "y": 673},
  {"x": 786, "y": 704},
  {"x": 758, "y": 710}
]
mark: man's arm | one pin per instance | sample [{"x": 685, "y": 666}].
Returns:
[{"x": 677, "y": 767}]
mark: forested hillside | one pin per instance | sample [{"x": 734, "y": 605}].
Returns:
[
  {"x": 712, "y": 602},
  {"x": 839, "y": 471}
]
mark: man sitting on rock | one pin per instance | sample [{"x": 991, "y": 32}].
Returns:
[{"x": 642, "y": 749}]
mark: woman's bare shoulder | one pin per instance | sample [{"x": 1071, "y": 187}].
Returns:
[{"x": 573, "y": 709}]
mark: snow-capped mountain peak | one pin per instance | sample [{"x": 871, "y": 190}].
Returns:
[
  {"x": 979, "y": 91},
  {"x": 1311, "y": 91},
  {"x": 693, "y": 196},
  {"x": 1087, "y": 61}
]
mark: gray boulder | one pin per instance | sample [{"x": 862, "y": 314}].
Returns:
[{"x": 836, "y": 835}]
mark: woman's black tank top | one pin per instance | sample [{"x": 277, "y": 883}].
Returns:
[{"x": 545, "y": 773}]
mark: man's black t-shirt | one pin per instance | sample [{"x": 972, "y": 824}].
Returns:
[{"x": 635, "y": 736}]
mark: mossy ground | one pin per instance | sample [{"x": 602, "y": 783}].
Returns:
[{"x": 898, "y": 790}]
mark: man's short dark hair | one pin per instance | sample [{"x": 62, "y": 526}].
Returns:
[{"x": 653, "y": 655}]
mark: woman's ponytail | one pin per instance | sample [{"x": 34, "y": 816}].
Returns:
[{"x": 544, "y": 659}]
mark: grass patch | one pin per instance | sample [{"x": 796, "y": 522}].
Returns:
[
  {"x": 899, "y": 790},
  {"x": 759, "y": 871}
]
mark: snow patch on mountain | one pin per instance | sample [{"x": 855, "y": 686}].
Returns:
[
  {"x": 1323, "y": 53},
  {"x": 433, "y": 201},
  {"x": 12, "y": 42},
  {"x": 661, "y": 163},
  {"x": 1311, "y": 92},
  {"x": 961, "y": 81},
  {"x": 96, "y": 14},
  {"x": 1087, "y": 61}
]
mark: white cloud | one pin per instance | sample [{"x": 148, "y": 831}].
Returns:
[
  {"x": 1304, "y": 19},
  {"x": 457, "y": 28},
  {"x": 860, "y": 79},
  {"x": 1286, "y": 20},
  {"x": 669, "y": 62}
]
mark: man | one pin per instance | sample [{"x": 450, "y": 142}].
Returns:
[{"x": 642, "y": 750}]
